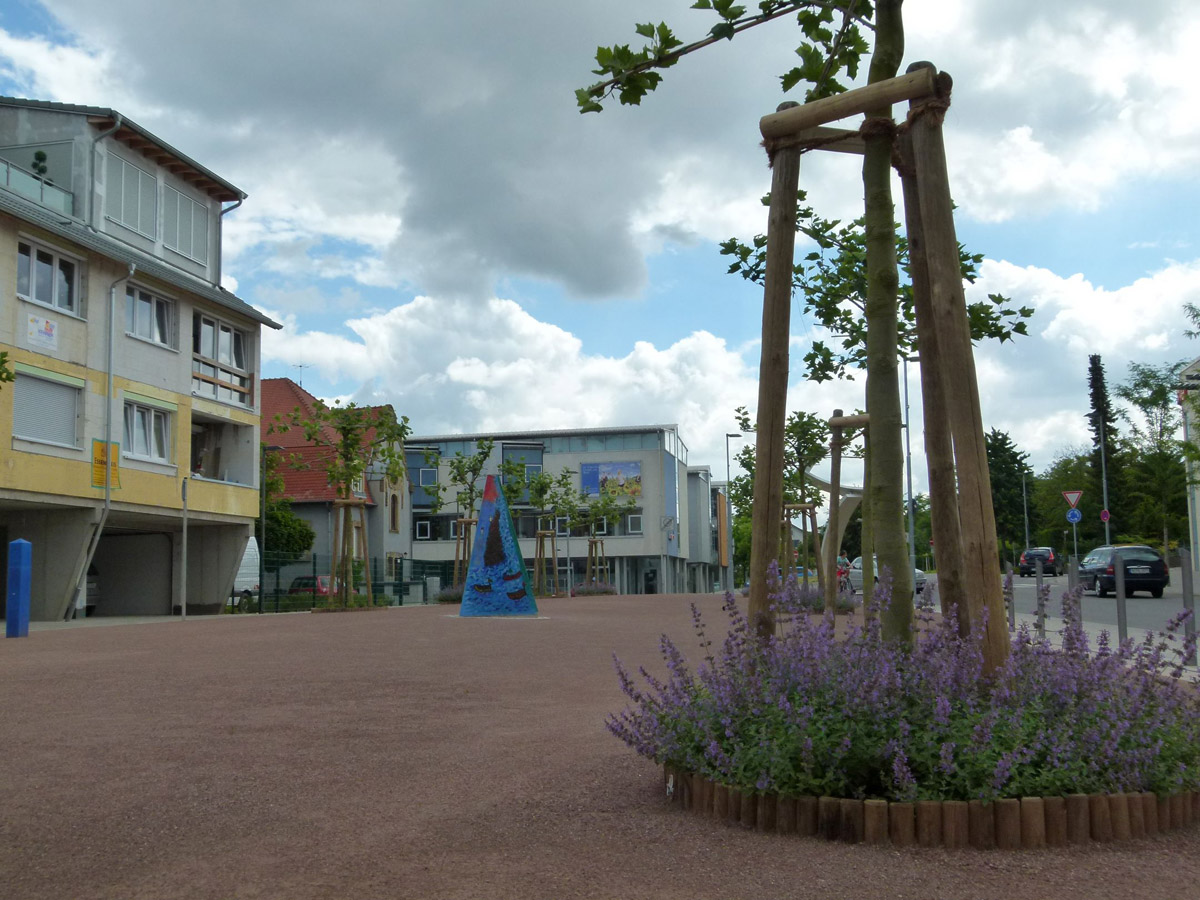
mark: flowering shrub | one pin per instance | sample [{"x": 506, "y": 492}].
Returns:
[
  {"x": 810, "y": 712},
  {"x": 451, "y": 594}
]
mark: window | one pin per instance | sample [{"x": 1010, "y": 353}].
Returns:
[
  {"x": 185, "y": 225},
  {"x": 602, "y": 526},
  {"x": 219, "y": 368},
  {"x": 428, "y": 477},
  {"x": 46, "y": 410},
  {"x": 148, "y": 317},
  {"x": 131, "y": 196},
  {"x": 394, "y": 513},
  {"x": 147, "y": 432},
  {"x": 531, "y": 470},
  {"x": 423, "y": 529},
  {"x": 633, "y": 524},
  {"x": 562, "y": 526},
  {"x": 358, "y": 485},
  {"x": 45, "y": 277}
]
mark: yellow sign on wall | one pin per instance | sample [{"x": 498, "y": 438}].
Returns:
[{"x": 98, "y": 459}]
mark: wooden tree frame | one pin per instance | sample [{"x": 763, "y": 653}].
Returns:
[{"x": 965, "y": 530}]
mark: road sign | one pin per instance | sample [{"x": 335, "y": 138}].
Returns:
[
  {"x": 1073, "y": 497},
  {"x": 1074, "y": 516},
  {"x": 1104, "y": 515}
]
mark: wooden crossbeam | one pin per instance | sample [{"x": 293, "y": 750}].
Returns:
[{"x": 909, "y": 86}]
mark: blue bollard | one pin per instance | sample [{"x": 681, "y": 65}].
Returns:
[{"x": 20, "y": 572}]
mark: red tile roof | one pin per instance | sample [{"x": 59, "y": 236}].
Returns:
[{"x": 307, "y": 484}]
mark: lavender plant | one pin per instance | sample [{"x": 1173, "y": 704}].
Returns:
[{"x": 851, "y": 715}]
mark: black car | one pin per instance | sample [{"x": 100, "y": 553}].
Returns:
[
  {"x": 1051, "y": 564},
  {"x": 1145, "y": 570}
]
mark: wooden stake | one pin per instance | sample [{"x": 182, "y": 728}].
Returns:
[
  {"x": 939, "y": 449},
  {"x": 772, "y": 380},
  {"x": 1079, "y": 819},
  {"x": 929, "y": 823},
  {"x": 875, "y": 821},
  {"x": 1008, "y": 824},
  {"x": 902, "y": 824},
  {"x": 957, "y": 367},
  {"x": 1056, "y": 821},
  {"x": 1101, "y": 817},
  {"x": 1033, "y": 823},
  {"x": 982, "y": 823},
  {"x": 955, "y": 823}
]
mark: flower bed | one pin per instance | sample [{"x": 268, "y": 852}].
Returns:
[
  {"x": 820, "y": 713},
  {"x": 1009, "y": 824}
]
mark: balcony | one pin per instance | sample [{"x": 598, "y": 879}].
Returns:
[{"x": 37, "y": 189}]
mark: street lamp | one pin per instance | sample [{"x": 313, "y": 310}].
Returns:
[
  {"x": 262, "y": 519},
  {"x": 729, "y": 509}
]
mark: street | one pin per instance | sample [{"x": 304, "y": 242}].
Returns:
[{"x": 1142, "y": 610}]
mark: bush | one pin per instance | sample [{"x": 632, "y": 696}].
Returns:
[
  {"x": 811, "y": 713},
  {"x": 449, "y": 595},
  {"x": 593, "y": 589}
]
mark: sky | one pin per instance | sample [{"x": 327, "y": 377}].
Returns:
[{"x": 438, "y": 228}]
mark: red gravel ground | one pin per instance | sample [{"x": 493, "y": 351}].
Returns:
[{"x": 408, "y": 753}]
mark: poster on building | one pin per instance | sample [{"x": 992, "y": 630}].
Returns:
[
  {"x": 617, "y": 479},
  {"x": 98, "y": 459},
  {"x": 42, "y": 332}
]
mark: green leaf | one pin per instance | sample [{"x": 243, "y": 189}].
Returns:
[
  {"x": 722, "y": 30},
  {"x": 646, "y": 30}
]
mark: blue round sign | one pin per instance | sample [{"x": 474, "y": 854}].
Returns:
[{"x": 1074, "y": 516}]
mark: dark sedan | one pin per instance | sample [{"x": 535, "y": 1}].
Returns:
[
  {"x": 1145, "y": 570},
  {"x": 1051, "y": 564}
]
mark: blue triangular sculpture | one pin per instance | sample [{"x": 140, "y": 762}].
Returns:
[{"x": 497, "y": 581}]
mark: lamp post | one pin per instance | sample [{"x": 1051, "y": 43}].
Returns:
[
  {"x": 262, "y": 520},
  {"x": 729, "y": 508}
]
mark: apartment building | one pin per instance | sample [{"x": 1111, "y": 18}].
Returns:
[
  {"x": 670, "y": 541},
  {"x": 129, "y": 439}
]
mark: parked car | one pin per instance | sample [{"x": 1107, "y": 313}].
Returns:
[
  {"x": 245, "y": 583},
  {"x": 856, "y": 576},
  {"x": 1145, "y": 570},
  {"x": 1051, "y": 564},
  {"x": 311, "y": 584}
]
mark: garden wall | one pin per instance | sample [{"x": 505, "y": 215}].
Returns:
[{"x": 1029, "y": 823}]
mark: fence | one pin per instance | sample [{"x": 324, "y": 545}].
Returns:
[{"x": 298, "y": 585}]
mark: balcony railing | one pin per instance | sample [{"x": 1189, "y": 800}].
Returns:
[{"x": 29, "y": 185}]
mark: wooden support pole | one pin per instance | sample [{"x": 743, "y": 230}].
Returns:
[
  {"x": 837, "y": 140},
  {"x": 831, "y": 548},
  {"x": 772, "y": 381},
  {"x": 787, "y": 122},
  {"x": 939, "y": 448},
  {"x": 957, "y": 367}
]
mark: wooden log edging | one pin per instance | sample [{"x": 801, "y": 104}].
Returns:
[{"x": 1012, "y": 824}]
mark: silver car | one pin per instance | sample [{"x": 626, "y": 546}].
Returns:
[{"x": 856, "y": 576}]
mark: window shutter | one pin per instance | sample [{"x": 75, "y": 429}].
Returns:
[{"x": 45, "y": 410}]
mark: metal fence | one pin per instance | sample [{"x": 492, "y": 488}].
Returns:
[{"x": 299, "y": 585}]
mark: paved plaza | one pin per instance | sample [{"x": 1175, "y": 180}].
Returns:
[{"x": 408, "y": 753}]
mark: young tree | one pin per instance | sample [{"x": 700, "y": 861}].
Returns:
[
  {"x": 1156, "y": 475},
  {"x": 1106, "y": 471},
  {"x": 286, "y": 537},
  {"x": 1008, "y": 466},
  {"x": 351, "y": 440},
  {"x": 464, "y": 474}
]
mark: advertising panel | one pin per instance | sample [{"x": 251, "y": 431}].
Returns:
[{"x": 617, "y": 479}]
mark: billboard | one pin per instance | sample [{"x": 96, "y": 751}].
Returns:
[{"x": 617, "y": 479}]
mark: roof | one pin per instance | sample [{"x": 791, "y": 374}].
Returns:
[
  {"x": 533, "y": 435},
  {"x": 75, "y": 231},
  {"x": 134, "y": 135},
  {"x": 279, "y": 397}
]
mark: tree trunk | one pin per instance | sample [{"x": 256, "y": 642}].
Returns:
[
  {"x": 883, "y": 386},
  {"x": 772, "y": 382}
]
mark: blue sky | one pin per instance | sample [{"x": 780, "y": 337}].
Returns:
[{"x": 437, "y": 227}]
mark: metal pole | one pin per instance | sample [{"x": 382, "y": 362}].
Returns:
[
  {"x": 1025, "y": 503},
  {"x": 1104, "y": 483},
  {"x": 262, "y": 523},
  {"x": 1041, "y": 599},
  {"x": 1189, "y": 600},
  {"x": 729, "y": 510},
  {"x": 912, "y": 539},
  {"x": 183, "y": 556},
  {"x": 1119, "y": 588}
]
